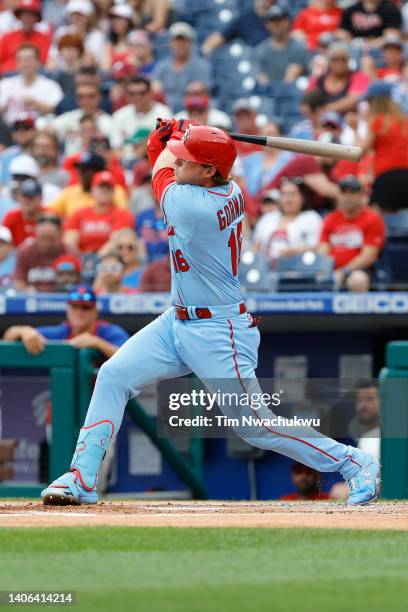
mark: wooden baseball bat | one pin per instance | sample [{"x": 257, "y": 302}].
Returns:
[{"x": 307, "y": 147}]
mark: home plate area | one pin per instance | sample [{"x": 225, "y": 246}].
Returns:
[{"x": 275, "y": 514}]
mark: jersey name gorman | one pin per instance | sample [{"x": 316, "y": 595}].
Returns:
[{"x": 233, "y": 209}]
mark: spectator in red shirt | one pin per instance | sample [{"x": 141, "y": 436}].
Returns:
[
  {"x": 387, "y": 137},
  {"x": 92, "y": 229},
  {"x": 320, "y": 16},
  {"x": 307, "y": 484},
  {"x": 22, "y": 221},
  {"x": 29, "y": 13},
  {"x": 353, "y": 235},
  {"x": 35, "y": 257},
  {"x": 393, "y": 54},
  {"x": 341, "y": 87}
]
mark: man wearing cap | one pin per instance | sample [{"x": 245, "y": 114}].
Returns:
[
  {"x": 173, "y": 74},
  {"x": 22, "y": 132},
  {"x": 353, "y": 235},
  {"x": 207, "y": 331},
  {"x": 393, "y": 56},
  {"x": 22, "y": 221},
  {"x": 35, "y": 256},
  {"x": 28, "y": 12},
  {"x": 28, "y": 91},
  {"x": 141, "y": 112},
  {"x": 67, "y": 272},
  {"x": 21, "y": 167},
  {"x": 280, "y": 57},
  {"x": 198, "y": 107},
  {"x": 92, "y": 229},
  {"x": 82, "y": 328},
  {"x": 7, "y": 256},
  {"x": 75, "y": 197}
]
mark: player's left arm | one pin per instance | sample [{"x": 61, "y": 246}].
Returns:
[{"x": 166, "y": 159}]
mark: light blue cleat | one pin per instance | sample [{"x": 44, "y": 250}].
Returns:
[
  {"x": 365, "y": 483},
  {"x": 78, "y": 486},
  {"x": 67, "y": 490}
]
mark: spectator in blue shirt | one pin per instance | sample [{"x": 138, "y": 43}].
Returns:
[
  {"x": 82, "y": 328},
  {"x": 173, "y": 74},
  {"x": 248, "y": 26},
  {"x": 153, "y": 231}
]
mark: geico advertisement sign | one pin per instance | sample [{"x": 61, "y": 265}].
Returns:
[
  {"x": 371, "y": 303},
  {"x": 146, "y": 303}
]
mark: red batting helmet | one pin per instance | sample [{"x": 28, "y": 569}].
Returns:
[{"x": 206, "y": 145}]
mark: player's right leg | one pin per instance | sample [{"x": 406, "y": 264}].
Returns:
[{"x": 148, "y": 356}]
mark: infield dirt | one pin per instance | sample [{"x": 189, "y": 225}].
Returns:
[{"x": 325, "y": 515}]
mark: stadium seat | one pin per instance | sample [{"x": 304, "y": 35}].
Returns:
[
  {"x": 396, "y": 223},
  {"x": 305, "y": 272},
  {"x": 394, "y": 262},
  {"x": 254, "y": 273}
]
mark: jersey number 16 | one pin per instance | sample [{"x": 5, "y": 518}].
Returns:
[{"x": 235, "y": 244}]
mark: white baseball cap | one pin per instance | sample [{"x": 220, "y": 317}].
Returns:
[
  {"x": 122, "y": 10},
  {"x": 84, "y": 7},
  {"x": 24, "y": 164},
  {"x": 5, "y": 234}
]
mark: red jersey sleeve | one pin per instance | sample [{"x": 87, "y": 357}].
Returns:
[
  {"x": 375, "y": 232},
  {"x": 161, "y": 180}
]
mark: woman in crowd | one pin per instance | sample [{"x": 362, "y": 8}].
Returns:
[
  {"x": 341, "y": 87},
  {"x": 122, "y": 19},
  {"x": 108, "y": 275},
  {"x": 66, "y": 61},
  {"x": 81, "y": 20},
  {"x": 261, "y": 167},
  {"x": 387, "y": 137},
  {"x": 289, "y": 230},
  {"x": 132, "y": 254}
]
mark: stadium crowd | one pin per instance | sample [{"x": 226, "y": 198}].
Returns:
[{"x": 83, "y": 82}]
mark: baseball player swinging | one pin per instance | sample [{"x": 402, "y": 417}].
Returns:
[{"x": 208, "y": 330}]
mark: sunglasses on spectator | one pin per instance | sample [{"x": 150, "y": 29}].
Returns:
[
  {"x": 296, "y": 180},
  {"x": 109, "y": 268},
  {"x": 350, "y": 189},
  {"x": 137, "y": 92},
  {"x": 129, "y": 247},
  {"x": 49, "y": 219},
  {"x": 78, "y": 297},
  {"x": 87, "y": 95},
  {"x": 82, "y": 305}
]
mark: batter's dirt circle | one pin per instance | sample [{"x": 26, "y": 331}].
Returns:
[{"x": 324, "y": 515}]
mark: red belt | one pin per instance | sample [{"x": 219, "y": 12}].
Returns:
[{"x": 201, "y": 313}]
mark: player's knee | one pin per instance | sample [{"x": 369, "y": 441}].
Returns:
[
  {"x": 358, "y": 281},
  {"x": 110, "y": 373}
]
